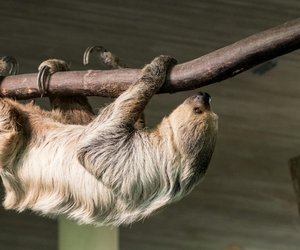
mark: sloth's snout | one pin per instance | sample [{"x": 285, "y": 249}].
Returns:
[
  {"x": 200, "y": 103},
  {"x": 204, "y": 98}
]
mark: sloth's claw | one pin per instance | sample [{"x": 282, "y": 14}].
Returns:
[
  {"x": 105, "y": 56},
  {"x": 46, "y": 69},
  {"x": 43, "y": 79},
  {"x": 89, "y": 50},
  {"x": 11, "y": 65}
]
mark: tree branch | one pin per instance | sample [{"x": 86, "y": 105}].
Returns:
[{"x": 213, "y": 67}]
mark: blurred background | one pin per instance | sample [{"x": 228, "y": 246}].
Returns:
[{"x": 246, "y": 201}]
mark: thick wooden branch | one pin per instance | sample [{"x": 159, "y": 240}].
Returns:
[{"x": 213, "y": 67}]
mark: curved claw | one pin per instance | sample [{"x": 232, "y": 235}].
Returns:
[
  {"x": 109, "y": 59},
  {"x": 13, "y": 64},
  {"x": 89, "y": 50},
  {"x": 46, "y": 69},
  {"x": 43, "y": 79}
]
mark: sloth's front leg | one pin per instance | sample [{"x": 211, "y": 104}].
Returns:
[
  {"x": 129, "y": 106},
  {"x": 69, "y": 109},
  {"x": 113, "y": 62},
  {"x": 105, "y": 138}
]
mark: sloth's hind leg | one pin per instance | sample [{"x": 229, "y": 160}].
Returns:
[{"x": 67, "y": 109}]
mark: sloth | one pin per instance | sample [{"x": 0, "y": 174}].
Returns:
[{"x": 104, "y": 169}]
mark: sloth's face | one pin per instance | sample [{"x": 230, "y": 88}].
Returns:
[
  {"x": 195, "y": 129},
  {"x": 194, "y": 118}
]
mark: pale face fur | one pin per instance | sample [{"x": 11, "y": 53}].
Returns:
[
  {"x": 194, "y": 128},
  {"x": 106, "y": 172}
]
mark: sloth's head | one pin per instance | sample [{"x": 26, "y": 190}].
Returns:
[{"x": 195, "y": 129}]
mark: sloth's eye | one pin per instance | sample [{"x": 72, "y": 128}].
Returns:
[{"x": 198, "y": 110}]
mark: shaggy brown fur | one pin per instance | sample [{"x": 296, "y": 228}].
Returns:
[{"x": 108, "y": 171}]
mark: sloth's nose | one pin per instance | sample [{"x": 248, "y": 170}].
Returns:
[{"x": 204, "y": 98}]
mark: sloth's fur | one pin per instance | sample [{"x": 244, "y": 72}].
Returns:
[{"x": 105, "y": 172}]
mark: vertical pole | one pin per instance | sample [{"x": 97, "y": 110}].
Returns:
[{"x": 83, "y": 237}]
